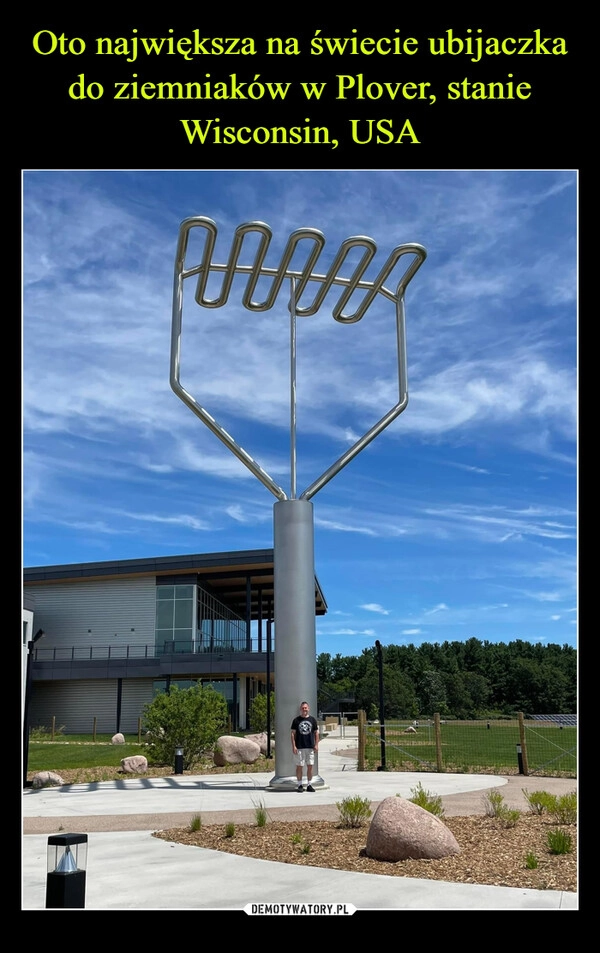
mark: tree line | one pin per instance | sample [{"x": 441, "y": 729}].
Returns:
[{"x": 471, "y": 679}]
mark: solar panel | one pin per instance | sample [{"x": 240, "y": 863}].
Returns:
[{"x": 570, "y": 720}]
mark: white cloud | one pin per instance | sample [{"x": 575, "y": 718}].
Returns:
[
  {"x": 375, "y": 607},
  {"x": 368, "y": 632}
]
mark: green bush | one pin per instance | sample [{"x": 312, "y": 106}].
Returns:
[
  {"x": 531, "y": 861},
  {"x": 564, "y": 810},
  {"x": 495, "y": 807},
  {"x": 539, "y": 801},
  {"x": 509, "y": 816},
  {"x": 258, "y": 712},
  {"x": 354, "y": 811},
  {"x": 426, "y": 800},
  {"x": 559, "y": 842},
  {"x": 196, "y": 823},
  {"x": 230, "y": 829},
  {"x": 260, "y": 813},
  {"x": 190, "y": 718},
  {"x": 494, "y": 803}
]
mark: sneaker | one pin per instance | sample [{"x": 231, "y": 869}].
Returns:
[
  {"x": 300, "y": 788},
  {"x": 310, "y": 788}
]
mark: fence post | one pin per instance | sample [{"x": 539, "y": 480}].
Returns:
[
  {"x": 362, "y": 740},
  {"x": 53, "y": 727},
  {"x": 94, "y": 729},
  {"x": 438, "y": 741},
  {"x": 523, "y": 743},
  {"x": 139, "y": 731}
]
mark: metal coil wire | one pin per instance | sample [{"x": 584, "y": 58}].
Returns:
[{"x": 258, "y": 269}]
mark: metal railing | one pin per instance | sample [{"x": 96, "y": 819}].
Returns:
[{"x": 102, "y": 652}]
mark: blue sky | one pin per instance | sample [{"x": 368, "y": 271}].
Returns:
[{"x": 459, "y": 521}]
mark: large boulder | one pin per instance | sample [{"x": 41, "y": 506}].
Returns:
[
  {"x": 117, "y": 739},
  {"x": 231, "y": 750},
  {"x": 401, "y": 830},
  {"x": 46, "y": 779},
  {"x": 135, "y": 764},
  {"x": 261, "y": 740}
]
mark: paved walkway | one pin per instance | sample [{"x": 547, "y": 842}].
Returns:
[{"x": 129, "y": 869}]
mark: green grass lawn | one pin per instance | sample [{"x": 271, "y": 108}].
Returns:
[
  {"x": 473, "y": 746},
  {"x": 79, "y": 751}
]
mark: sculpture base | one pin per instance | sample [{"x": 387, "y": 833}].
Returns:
[{"x": 290, "y": 783}]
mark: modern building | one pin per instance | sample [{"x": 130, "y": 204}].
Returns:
[{"x": 117, "y": 633}]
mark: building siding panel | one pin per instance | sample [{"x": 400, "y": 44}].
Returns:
[
  {"x": 75, "y": 704},
  {"x": 106, "y": 612}
]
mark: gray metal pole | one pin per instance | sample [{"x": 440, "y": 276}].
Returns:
[{"x": 295, "y": 632}]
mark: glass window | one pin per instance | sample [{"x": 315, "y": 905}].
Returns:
[
  {"x": 175, "y": 619},
  {"x": 165, "y": 592}
]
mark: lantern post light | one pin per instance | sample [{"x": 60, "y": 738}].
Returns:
[{"x": 66, "y": 871}]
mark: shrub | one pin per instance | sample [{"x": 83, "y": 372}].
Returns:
[
  {"x": 494, "y": 803},
  {"x": 230, "y": 829},
  {"x": 305, "y": 849},
  {"x": 258, "y": 712},
  {"x": 539, "y": 801},
  {"x": 564, "y": 810},
  {"x": 354, "y": 811},
  {"x": 559, "y": 842},
  {"x": 531, "y": 861},
  {"x": 495, "y": 807},
  {"x": 191, "y": 718},
  {"x": 260, "y": 813},
  {"x": 509, "y": 816},
  {"x": 196, "y": 823},
  {"x": 426, "y": 800},
  {"x": 296, "y": 838}
]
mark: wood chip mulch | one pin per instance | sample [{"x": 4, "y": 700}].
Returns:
[{"x": 491, "y": 853}]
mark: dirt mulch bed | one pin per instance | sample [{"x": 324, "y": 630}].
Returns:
[{"x": 491, "y": 852}]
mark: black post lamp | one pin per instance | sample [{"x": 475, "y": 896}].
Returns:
[
  {"x": 28, "y": 673},
  {"x": 178, "y": 768},
  {"x": 65, "y": 878}
]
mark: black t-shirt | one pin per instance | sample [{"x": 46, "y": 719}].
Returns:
[{"x": 304, "y": 728}]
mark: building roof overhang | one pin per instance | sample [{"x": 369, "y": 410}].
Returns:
[{"x": 232, "y": 577}]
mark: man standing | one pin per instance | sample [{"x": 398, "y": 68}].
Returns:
[{"x": 305, "y": 741}]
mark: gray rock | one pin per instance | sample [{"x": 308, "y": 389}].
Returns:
[
  {"x": 46, "y": 779},
  {"x": 135, "y": 764},
  {"x": 401, "y": 830},
  {"x": 230, "y": 750},
  {"x": 261, "y": 740},
  {"x": 117, "y": 739}
]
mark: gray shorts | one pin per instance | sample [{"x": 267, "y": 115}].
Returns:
[{"x": 304, "y": 756}]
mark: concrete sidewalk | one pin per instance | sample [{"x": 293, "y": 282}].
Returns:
[{"x": 129, "y": 869}]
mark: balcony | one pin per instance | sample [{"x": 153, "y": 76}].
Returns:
[
  {"x": 149, "y": 661},
  {"x": 118, "y": 651}
]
